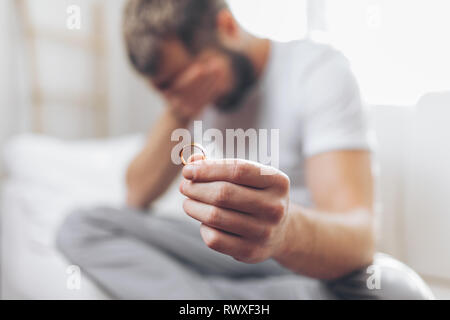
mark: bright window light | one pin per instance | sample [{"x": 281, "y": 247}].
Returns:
[
  {"x": 281, "y": 20},
  {"x": 399, "y": 49}
]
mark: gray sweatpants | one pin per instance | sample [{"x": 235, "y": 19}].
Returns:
[{"x": 134, "y": 255}]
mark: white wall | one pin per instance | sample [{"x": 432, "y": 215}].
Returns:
[
  {"x": 68, "y": 70},
  {"x": 390, "y": 124},
  {"x": 414, "y": 183},
  {"x": 427, "y": 187},
  {"x": 13, "y": 94},
  {"x": 5, "y": 58},
  {"x": 133, "y": 105}
]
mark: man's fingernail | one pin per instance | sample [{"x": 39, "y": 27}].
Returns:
[
  {"x": 181, "y": 186},
  {"x": 188, "y": 171}
]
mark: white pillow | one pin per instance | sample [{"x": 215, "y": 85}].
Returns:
[{"x": 91, "y": 168}]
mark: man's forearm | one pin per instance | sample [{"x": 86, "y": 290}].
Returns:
[
  {"x": 327, "y": 245},
  {"x": 150, "y": 173}
]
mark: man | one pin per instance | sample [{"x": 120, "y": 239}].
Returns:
[{"x": 304, "y": 231}]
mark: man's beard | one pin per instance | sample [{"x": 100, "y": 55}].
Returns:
[{"x": 244, "y": 77}]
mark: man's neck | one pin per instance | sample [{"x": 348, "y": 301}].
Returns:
[{"x": 258, "y": 50}]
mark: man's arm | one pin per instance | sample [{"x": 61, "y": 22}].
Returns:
[
  {"x": 339, "y": 228},
  {"x": 337, "y": 235},
  {"x": 150, "y": 173}
]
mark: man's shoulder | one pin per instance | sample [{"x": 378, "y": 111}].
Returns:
[
  {"x": 310, "y": 58},
  {"x": 307, "y": 46},
  {"x": 321, "y": 73}
]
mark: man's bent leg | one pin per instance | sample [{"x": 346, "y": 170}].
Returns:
[
  {"x": 122, "y": 264},
  {"x": 281, "y": 287},
  {"x": 385, "y": 279},
  {"x": 134, "y": 255}
]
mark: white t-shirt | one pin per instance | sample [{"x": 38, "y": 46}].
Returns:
[{"x": 310, "y": 95}]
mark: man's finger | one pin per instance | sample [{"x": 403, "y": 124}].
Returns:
[
  {"x": 186, "y": 78},
  {"x": 234, "y": 197},
  {"x": 195, "y": 157},
  {"x": 226, "y": 243},
  {"x": 236, "y": 171},
  {"x": 192, "y": 76},
  {"x": 202, "y": 91},
  {"x": 227, "y": 220}
]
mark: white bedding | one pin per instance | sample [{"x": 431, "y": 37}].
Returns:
[{"x": 46, "y": 179}]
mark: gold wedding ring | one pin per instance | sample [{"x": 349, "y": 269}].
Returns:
[{"x": 192, "y": 145}]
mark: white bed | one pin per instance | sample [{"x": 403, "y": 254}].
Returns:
[{"x": 46, "y": 179}]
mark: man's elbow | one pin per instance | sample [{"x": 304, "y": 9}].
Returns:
[
  {"x": 136, "y": 199},
  {"x": 367, "y": 250},
  {"x": 364, "y": 252},
  {"x": 362, "y": 257},
  {"x": 368, "y": 238},
  {"x": 360, "y": 252}
]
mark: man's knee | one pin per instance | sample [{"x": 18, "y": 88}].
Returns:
[
  {"x": 386, "y": 279},
  {"x": 80, "y": 229}
]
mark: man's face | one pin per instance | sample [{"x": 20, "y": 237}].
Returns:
[{"x": 213, "y": 76}]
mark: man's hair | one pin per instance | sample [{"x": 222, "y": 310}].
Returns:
[{"x": 148, "y": 22}]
